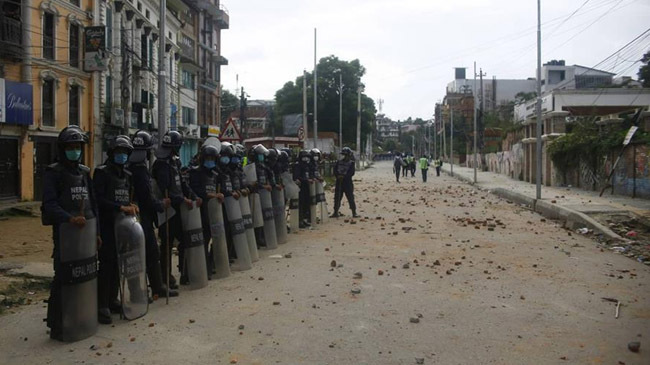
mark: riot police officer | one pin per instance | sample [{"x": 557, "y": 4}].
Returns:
[
  {"x": 69, "y": 206},
  {"x": 227, "y": 188},
  {"x": 204, "y": 181},
  {"x": 166, "y": 172},
  {"x": 303, "y": 176},
  {"x": 149, "y": 205},
  {"x": 112, "y": 184},
  {"x": 343, "y": 171},
  {"x": 258, "y": 154}
]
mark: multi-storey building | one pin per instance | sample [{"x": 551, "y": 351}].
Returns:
[
  {"x": 45, "y": 88},
  {"x": 386, "y": 128}
]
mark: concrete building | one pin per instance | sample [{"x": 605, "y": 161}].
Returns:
[
  {"x": 258, "y": 115},
  {"x": 557, "y": 75},
  {"x": 386, "y": 128},
  {"x": 496, "y": 92},
  {"x": 559, "y": 108},
  {"x": 44, "y": 88}
]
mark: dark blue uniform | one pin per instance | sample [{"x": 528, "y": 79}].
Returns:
[
  {"x": 62, "y": 183},
  {"x": 204, "y": 181},
  {"x": 302, "y": 172},
  {"x": 343, "y": 171},
  {"x": 167, "y": 174},
  {"x": 112, "y": 186},
  {"x": 149, "y": 205}
]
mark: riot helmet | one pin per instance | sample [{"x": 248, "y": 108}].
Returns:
[
  {"x": 209, "y": 156},
  {"x": 120, "y": 149},
  {"x": 70, "y": 143},
  {"x": 226, "y": 154},
  {"x": 272, "y": 157},
  {"x": 260, "y": 153},
  {"x": 303, "y": 156}
]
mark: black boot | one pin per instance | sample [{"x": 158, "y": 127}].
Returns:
[
  {"x": 104, "y": 316},
  {"x": 335, "y": 214},
  {"x": 355, "y": 215},
  {"x": 158, "y": 287}
]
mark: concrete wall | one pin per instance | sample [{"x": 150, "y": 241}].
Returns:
[{"x": 511, "y": 163}]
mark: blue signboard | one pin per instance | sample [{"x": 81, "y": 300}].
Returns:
[{"x": 18, "y": 105}]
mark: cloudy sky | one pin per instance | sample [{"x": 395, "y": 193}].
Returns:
[{"x": 410, "y": 47}]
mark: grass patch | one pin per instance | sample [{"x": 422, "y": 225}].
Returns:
[{"x": 23, "y": 291}]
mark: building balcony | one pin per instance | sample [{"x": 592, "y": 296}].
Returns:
[
  {"x": 222, "y": 18},
  {"x": 11, "y": 43},
  {"x": 220, "y": 60}
]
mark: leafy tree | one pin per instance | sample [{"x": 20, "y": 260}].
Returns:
[
  {"x": 229, "y": 103},
  {"x": 644, "y": 71},
  {"x": 289, "y": 99}
]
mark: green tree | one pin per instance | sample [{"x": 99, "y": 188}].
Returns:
[
  {"x": 229, "y": 103},
  {"x": 289, "y": 99},
  {"x": 644, "y": 71}
]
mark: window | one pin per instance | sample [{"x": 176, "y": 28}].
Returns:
[
  {"x": 74, "y": 2},
  {"x": 109, "y": 29},
  {"x": 144, "y": 51},
  {"x": 139, "y": 6},
  {"x": 48, "y": 36},
  {"x": 48, "y": 103},
  {"x": 188, "y": 116},
  {"x": 109, "y": 96},
  {"x": 73, "y": 105},
  {"x": 188, "y": 80},
  {"x": 74, "y": 45},
  {"x": 147, "y": 14}
]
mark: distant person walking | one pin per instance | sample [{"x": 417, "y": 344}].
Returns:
[
  {"x": 438, "y": 164},
  {"x": 397, "y": 165},
  {"x": 424, "y": 167}
]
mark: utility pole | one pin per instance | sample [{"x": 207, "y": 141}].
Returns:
[
  {"x": 304, "y": 108},
  {"x": 475, "y": 129},
  {"x": 242, "y": 115},
  {"x": 162, "y": 77},
  {"x": 451, "y": 142},
  {"x": 359, "y": 123},
  {"x": 435, "y": 137},
  {"x": 539, "y": 102},
  {"x": 315, "y": 95},
  {"x": 340, "y": 111},
  {"x": 482, "y": 120}
]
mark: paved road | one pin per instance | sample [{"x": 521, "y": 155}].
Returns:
[{"x": 522, "y": 292}]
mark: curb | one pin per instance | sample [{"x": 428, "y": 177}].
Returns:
[{"x": 571, "y": 218}]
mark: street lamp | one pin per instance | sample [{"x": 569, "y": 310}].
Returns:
[{"x": 338, "y": 70}]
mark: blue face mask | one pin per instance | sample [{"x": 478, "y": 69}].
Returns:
[
  {"x": 120, "y": 158},
  {"x": 260, "y": 158},
  {"x": 210, "y": 164},
  {"x": 73, "y": 155},
  {"x": 224, "y": 160},
  {"x": 235, "y": 160}
]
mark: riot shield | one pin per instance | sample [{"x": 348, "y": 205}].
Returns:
[
  {"x": 238, "y": 232},
  {"x": 291, "y": 193},
  {"x": 194, "y": 265},
  {"x": 78, "y": 271},
  {"x": 246, "y": 215},
  {"x": 219, "y": 246},
  {"x": 269, "y": 220},
  {"x": 279, "y": 211},
  {"x": 312, "y": 204},
  {"x": 131, "y": 263},
  {"x": 322, "y": 202},
  {"x": 256, "y": 210}
]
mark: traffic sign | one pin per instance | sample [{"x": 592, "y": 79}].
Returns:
[
  {"x": 301, "y": 133},
  {"x": 230, "y": 132}
]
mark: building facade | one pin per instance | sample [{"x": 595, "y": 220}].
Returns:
[{"x": 95, "y": 64}]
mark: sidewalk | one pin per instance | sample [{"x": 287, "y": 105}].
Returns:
[{"x": 578, "y": 208}]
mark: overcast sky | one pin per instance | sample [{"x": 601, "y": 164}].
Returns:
[{"x": 410, "y": 47}]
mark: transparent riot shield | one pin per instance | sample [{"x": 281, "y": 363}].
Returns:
[
  {"x": 247, "y": 216},
  {"x": 131, "y": 263},
  {"x": 291, "y": 193},
  {"x": 78, "y": 255},
  {"x": 238, "y": 232},
  {"x": 269, "y": 220},
  {"x": 218, "y": 232},
  {"x": 279, "y": 217},
  {"x": 195, "y": 265},
  {"x": 313, "y": 204}
]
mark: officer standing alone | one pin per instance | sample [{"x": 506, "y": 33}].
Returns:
[{"x": 343, "y": 171}]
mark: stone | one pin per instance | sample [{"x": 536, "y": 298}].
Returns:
[
  {"x": 436, "y": 263},
  {"x": 419, "y": 360},
  {"x": 355, "y": 291},
  {"x": 357, "y": 275},
  {"x": 333, "y": 263},
  {"x": 634, "y": 346},
  {"x": 406, "y": 266},
  {"x": 414, "y": 320},
  {"x": 241, "y": 327}
]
